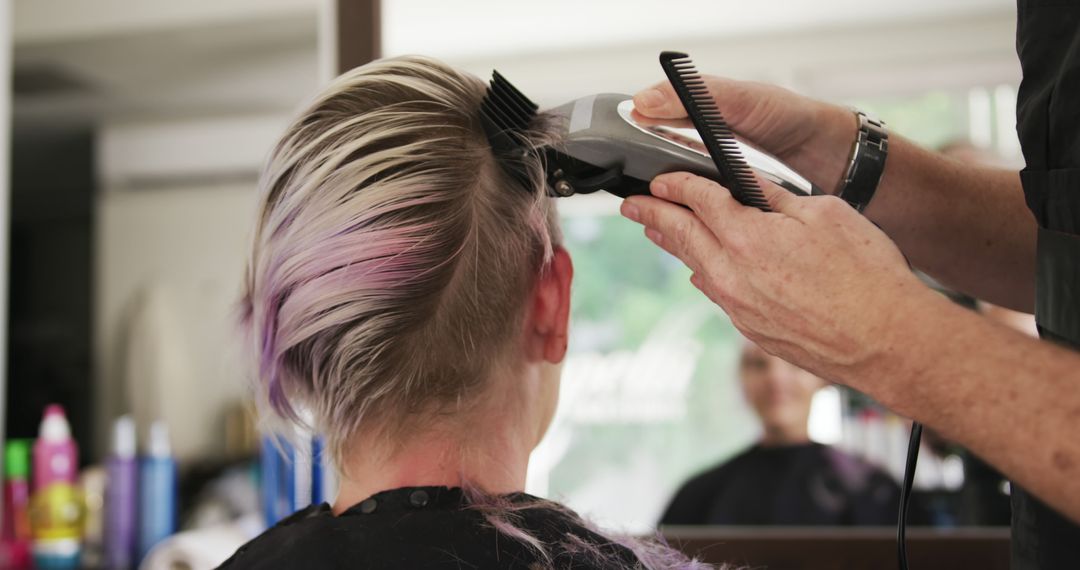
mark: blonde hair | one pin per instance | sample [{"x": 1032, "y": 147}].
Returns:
[
  {"x": 393, "y": 255},
  {"x": 391, "y": 265}
]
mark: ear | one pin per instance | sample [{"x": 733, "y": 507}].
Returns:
[{"x": 547, "y": 326}]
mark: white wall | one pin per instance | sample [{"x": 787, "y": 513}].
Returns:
[
  {"x": 185, "y": 247},
  {"x": 515, "y": 28},
  {"x": 52, "y": 20},
  {"x": 876, "y": 58},
  {"x": 174, "y": 219}
]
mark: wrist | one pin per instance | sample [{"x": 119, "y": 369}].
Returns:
[
  {"x": 839, "y": 127},
  {"x": 866, "y": 164}
]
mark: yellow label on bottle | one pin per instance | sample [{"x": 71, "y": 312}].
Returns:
[{"x": 56, "y": 512}]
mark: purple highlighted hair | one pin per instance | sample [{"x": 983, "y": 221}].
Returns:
[{"x": 392, "y": 256}]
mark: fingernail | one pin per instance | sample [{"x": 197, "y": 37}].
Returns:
[
  {"x": 649, "y": 98},
  {"x": 658, "y": 189},
  {"x": 630, "y": 211},
  {"x": 654, "y": 236}
]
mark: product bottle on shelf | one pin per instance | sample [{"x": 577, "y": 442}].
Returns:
[
  {"x": 16, "y": 522},
  {"x": 121, "y": 498},
  {"x": 157, "y": 490},
  {"x": 92, "y": 487},
  {"x": 56, "y": 506}
]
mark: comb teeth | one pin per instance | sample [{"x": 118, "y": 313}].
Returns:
[
  {"x": 715, "y": 133},
  {"x": 506, "y": 111},
  {"x": 506, "y": 114}
]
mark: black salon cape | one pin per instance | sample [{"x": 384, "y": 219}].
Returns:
[
  {"x": 1048, "y": 122},
  {"x": 796, "y": 485},
  {"x": 424, "y": 527}
]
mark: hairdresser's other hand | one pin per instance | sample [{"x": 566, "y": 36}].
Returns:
[
  {"x": 813, "y": 281},
  {"x": 810, "y": 136}
]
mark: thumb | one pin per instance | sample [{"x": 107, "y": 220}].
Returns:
[
  {"x": 734, "y": 99},
  {"x": 659, "y": 102}
]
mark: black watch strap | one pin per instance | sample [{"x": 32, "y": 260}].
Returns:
[{"x": 867, "y": 162}]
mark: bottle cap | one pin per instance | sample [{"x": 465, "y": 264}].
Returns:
[
  {"x": 158, "y": 445},
  {"x": 124, "y": 437},
  {"x": 54, "y": 426},
  {"x": 17, "y": 459}
]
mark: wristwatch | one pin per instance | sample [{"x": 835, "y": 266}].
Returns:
[{"x": 867, "y": 162}]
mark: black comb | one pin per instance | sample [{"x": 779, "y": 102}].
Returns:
[
  {"x": 715, "y": 133},
  {"x": 506, "y": 114}
]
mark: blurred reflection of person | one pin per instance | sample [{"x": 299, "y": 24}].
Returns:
[{"x": 784, "y": 479}]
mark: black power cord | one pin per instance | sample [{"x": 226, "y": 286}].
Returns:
[{"x": 905, "y": 492}]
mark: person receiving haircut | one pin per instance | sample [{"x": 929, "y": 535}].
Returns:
[
  {"x": 412, "y": 297},
  {"x": 784, "y": 479}
]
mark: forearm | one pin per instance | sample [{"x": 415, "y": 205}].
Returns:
[
  {"x": 965, "y": 224},
  {"x": 1011, "y": 399}
]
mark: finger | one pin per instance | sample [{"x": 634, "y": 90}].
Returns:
[
  {"x": 659, "y": 102},
  {"x": 780, "y": 200},
  {"x": 733, "y": 98},
  {"x": 710, "y": 201},
  {"x": 677, "y": 230}
]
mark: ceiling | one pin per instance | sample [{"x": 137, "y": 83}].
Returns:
[
  {"x": 234, "y": 65},
  {"x": 473, "y": 28},
  {"x": 124, "y": 59}
]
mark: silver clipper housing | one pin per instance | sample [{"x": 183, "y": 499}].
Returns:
[{"x": 608, "y": 146}]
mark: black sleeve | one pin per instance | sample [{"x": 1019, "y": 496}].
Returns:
[
  {"x": 680, "y": 510},
  {"x": 877, "y": 504},
  {"x": 691, "y": 503}
]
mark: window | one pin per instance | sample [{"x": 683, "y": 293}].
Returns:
[
  {"x": 648, "y": 394},
  {"x": 983, "y": 116}
]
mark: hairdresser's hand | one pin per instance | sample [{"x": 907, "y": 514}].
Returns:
[
  {"x": 812, "y": 137},
  {"x": 813, "y": 281}
]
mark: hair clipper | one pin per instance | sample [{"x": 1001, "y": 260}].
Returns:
[{"x": 608, "y": 146}]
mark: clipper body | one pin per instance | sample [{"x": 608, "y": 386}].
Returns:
[{"x": 608, "y": 146}]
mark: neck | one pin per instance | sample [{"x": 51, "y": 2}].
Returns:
[
  {"x": 778, "y": 436},
  {"x": 493, "y": 457}
]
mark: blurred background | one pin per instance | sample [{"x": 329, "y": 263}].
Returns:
[{"x": 137, "y": 129}]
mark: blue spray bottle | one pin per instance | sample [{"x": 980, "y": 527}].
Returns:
[{"x": 157, "y": 490}]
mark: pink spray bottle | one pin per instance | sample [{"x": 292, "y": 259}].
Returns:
[{"x": 56, "y": 508}]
